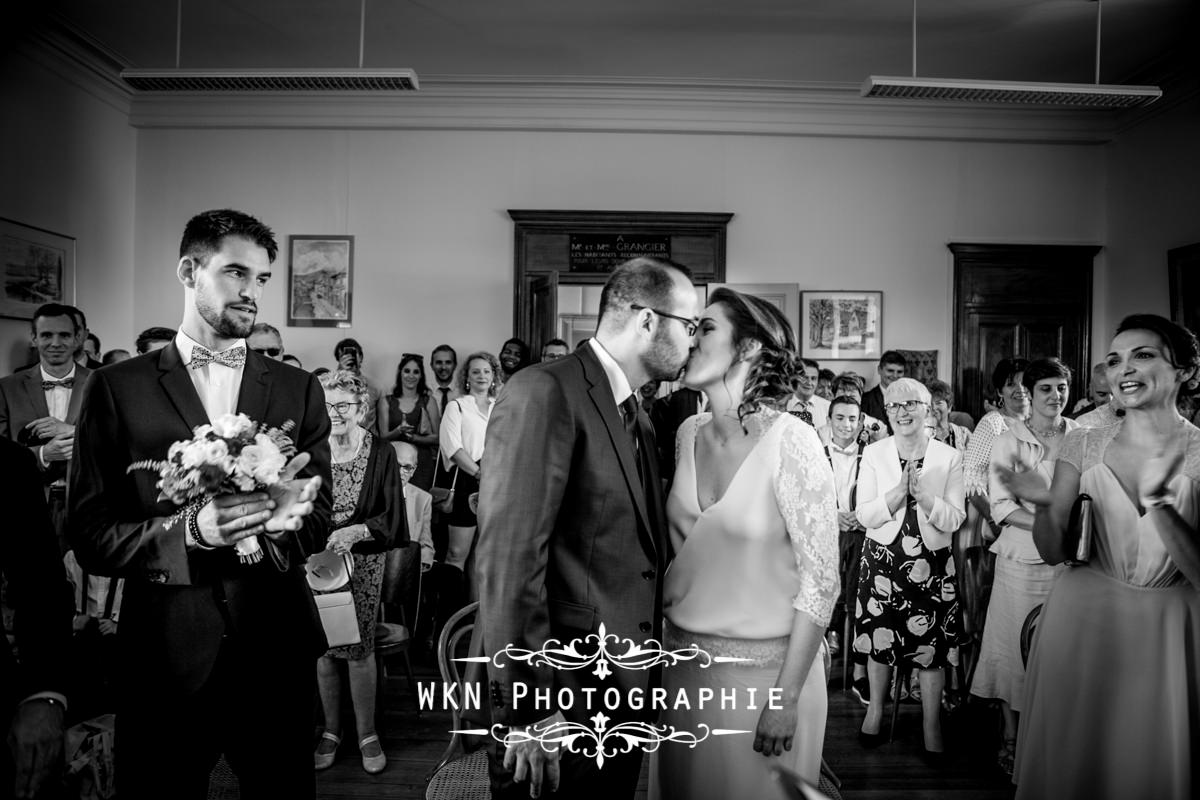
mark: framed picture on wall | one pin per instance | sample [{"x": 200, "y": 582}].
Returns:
[
  {"x": 841, "y": 325},
  {"x": 38, "y": 267},
  {"x": 320, "y": 281}
]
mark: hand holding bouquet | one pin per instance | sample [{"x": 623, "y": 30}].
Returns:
[{"x": 236, "y": 479}]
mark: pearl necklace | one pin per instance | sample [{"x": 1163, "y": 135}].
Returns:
[{"x": 1049, "y": 434}]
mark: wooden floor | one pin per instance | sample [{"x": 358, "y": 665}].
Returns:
[{"x": 414, "y": 743}]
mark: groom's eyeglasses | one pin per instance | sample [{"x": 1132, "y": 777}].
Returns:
[{"x": 689, "y": 325}]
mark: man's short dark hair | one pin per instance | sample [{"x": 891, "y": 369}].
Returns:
[
  {"x": 142, "y": 345},
  {"x": 51, "y": 310},
  {"x": 844, "y": 400},
  {"x": 812, "y": 362},
  {"x": 94, "y": 339},
  {"x": 204, "y": 232},
  {"x": 556, "y": 342},
  {"x": 265, "y": 327},
  {"x": 892, "y": 357},
  {"x": 640, "y": 281},
  {"x": 347, "y": 344},
  {"x": 446, "y": 349}
]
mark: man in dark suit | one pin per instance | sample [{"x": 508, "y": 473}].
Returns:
[
  {"x": 891, "y": 366},
  {"x": 39, "y": 405},
  {"x": 217, "y": 656},
  {"x": 571, "y": 527},
  {"x": 32, "y": 690}
]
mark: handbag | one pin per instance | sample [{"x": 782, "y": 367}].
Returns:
[
  {"x": 1078, "y": 539},
  {"x": 339, "y": 617},
  {"x": 443, "y": 498}
]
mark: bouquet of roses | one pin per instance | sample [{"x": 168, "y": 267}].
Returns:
[{"x": 233, "y": 454}]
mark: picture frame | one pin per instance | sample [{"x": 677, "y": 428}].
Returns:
[
  {"x": 320, "y": 281},
  {"x": 37, "y": 266},
  {"x": 784, "y": 296},
  {"x": 1183, "y": 273},
  {"x": 842, "y": 325}
]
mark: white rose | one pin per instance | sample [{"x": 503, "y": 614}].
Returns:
[
  {"x": 261, "y": 461},
  {"x": 230, "y": 426}
]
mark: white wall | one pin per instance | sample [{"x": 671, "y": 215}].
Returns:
[
  {"x": 434, "y": 242},
  {"x": 67, "y": 164}
]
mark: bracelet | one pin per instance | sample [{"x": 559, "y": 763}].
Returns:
[{"x": 193, "y": 528}]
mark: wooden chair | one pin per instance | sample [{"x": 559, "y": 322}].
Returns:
[
  {"x": 395, "y": 638},
  {"x": 459, "y": 774}
]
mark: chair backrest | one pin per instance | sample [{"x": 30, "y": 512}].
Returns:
[
  {"x": 1028, "y": 629},
  {"x": 459, "y": 626}
]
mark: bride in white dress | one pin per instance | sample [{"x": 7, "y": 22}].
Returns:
[{"x": 753, "y": 523}]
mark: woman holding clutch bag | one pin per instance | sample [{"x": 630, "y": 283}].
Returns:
[
  {"x": 1023, "y": 580},
  {"x": 1112, "y": 690},
  {"x": 753, "y": 518},
  {"x": 368, "y": 519}
]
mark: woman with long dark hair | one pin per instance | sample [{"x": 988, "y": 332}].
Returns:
[{"x": 411, "y": 415}]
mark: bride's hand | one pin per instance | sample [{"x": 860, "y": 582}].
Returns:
[
  {"x": 1158, "y": 470},
  {"x": 776, "y": 727}
]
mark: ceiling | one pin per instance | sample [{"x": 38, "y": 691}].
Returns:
[{"x": 757, "y": 41}]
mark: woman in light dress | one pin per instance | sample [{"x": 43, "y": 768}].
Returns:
[
  {"x": 1023, "y": 580},
  {"x": 753, "y": 522},
  {"x": 1112, "y": 689}
]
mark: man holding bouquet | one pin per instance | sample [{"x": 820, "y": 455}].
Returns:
[{"x": 219, "y": 634}]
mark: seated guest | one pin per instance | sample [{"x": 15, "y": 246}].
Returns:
[
  {"x": 399, "y": 577},
  {"x": 32, "y": 686},
  {"x": 114, "y": 357},
  {"x": 891, "y": 366},
  {"x": 844, "y": 451},
  {"x": 805, "y": 403},
  {"x": 554, "y": 349},
  {"x": 368, "y": 519},
  {"x": 153, "y": 339},
  {"x": 850, "y": 384},
  {"x": 265, "y": 340},
  {"x": 349, "y": 355},
  {"x": 410, "y": 414},
  {"x": 1098, "y": 393},
  {"x": 514, "y": 357},
  {"x": 941, "y": 405}
]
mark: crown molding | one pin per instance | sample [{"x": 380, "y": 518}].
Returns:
[{"x": 80, "y": 61}]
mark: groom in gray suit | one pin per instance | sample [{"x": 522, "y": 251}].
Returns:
[{"x": 572, "y": 532}]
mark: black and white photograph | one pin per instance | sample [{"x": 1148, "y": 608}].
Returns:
[{"x": 657, "y": 400}]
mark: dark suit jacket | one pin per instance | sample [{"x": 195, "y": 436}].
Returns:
[
  {"x": 872, "y": 403},
  {"x": 37, "y": 585},
  {"x": 666, "y": 416},
  {"x": 178, "y": 603},
  {"x": 22, "y": 401},
  {"x": 567, "y": 539}
]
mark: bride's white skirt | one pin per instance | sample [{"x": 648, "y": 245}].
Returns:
[{"x": 726, "y": 767}]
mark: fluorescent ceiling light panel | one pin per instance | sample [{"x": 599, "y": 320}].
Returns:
[
  {"x": 271, "y": 80},
  {"x": 1079, "y": 95}
]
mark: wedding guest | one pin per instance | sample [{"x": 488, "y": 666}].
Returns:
[
  {"x": 812, "y": 408},
  {"x": 753, "y": 525},
  {"x": 941, "y": 408},
  {"x": 91, "y": 348},
  {"x": 554, "y": 349},
  {"x": 410, "y": 414},
  {"x": 1112, "y": 693},
  {"x": 368, "y": 519},
  {"x": 514, "y": 357},
  {"x": 223, "y": 650},
  {"x": 82, "y": 356},
  {"x": 349, "y": 356},
  {"x": 891, "y": 366},
  {"x": 265, "y": 340},
  {"x": 33, "y": 703},
  {"x": 288, "y": 358},
  {"x": 1098, "y": 393},
  {"x": 910, "y": 500},
  {"x": 1023, "y": 580},
  {"x": 850, "y": 384},
  {"x": 444, "y": 361},
  {"x": 825, "y": 383},
  {"x": 666, "y": 415},
  {"x": 39, "y": 407},
  {"x": 153, "y": 339},
  {"x": 114, "y": 357},
  {"x": 400, "y": 571}
]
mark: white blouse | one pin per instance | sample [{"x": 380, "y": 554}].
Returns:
[{"x": 463, "y": 428}]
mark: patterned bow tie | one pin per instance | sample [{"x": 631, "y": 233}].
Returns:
[
  {"x": 66, "y": 383},
  {"x": 202, "y": 357}
]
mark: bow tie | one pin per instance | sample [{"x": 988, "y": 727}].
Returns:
[
  {"x": 66, "y": 383},
  {"x": 234, "y": 357}
]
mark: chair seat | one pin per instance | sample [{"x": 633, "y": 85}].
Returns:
[
  {"x": 390, "y": 634},
  {"x": 465, "y": 778}
]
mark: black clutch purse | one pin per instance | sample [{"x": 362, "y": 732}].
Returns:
[{"x": 1078, "y": 541}]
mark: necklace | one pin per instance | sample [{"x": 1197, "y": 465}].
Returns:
[{"x": 1051, "y": 433}]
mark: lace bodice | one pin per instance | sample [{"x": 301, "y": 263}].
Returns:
[{"x": 767, "y": 547}]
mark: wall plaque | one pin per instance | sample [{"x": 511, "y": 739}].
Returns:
[{"x": 600, "y": 252}]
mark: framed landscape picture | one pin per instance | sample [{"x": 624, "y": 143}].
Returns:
[
  {"x": 320, "y": 281},
  {"x": 841, "y": 325},
  {"x": 38, "y": 267}
]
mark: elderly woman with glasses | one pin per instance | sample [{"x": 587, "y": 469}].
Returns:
[
  {"x": 368, "y": 520},
  {"x": 910, "y": 500},
  {"x": 411, "y": 415}
]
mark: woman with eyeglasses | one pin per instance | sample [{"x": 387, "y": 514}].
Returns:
[
  {"x": 1112, "y": 688},
  {"x": 411, "y": 415},
  {"x": 910, "y": 500},
  {"x": 368, "y": 520}
]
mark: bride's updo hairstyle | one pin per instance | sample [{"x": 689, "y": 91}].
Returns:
[{"x": 775, "y": 370}]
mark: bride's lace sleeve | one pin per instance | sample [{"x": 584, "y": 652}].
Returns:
[{"x": 805, "y": 495}]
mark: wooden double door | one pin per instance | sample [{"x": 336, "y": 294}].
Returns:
[{"x": 1028, "y": 301}]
